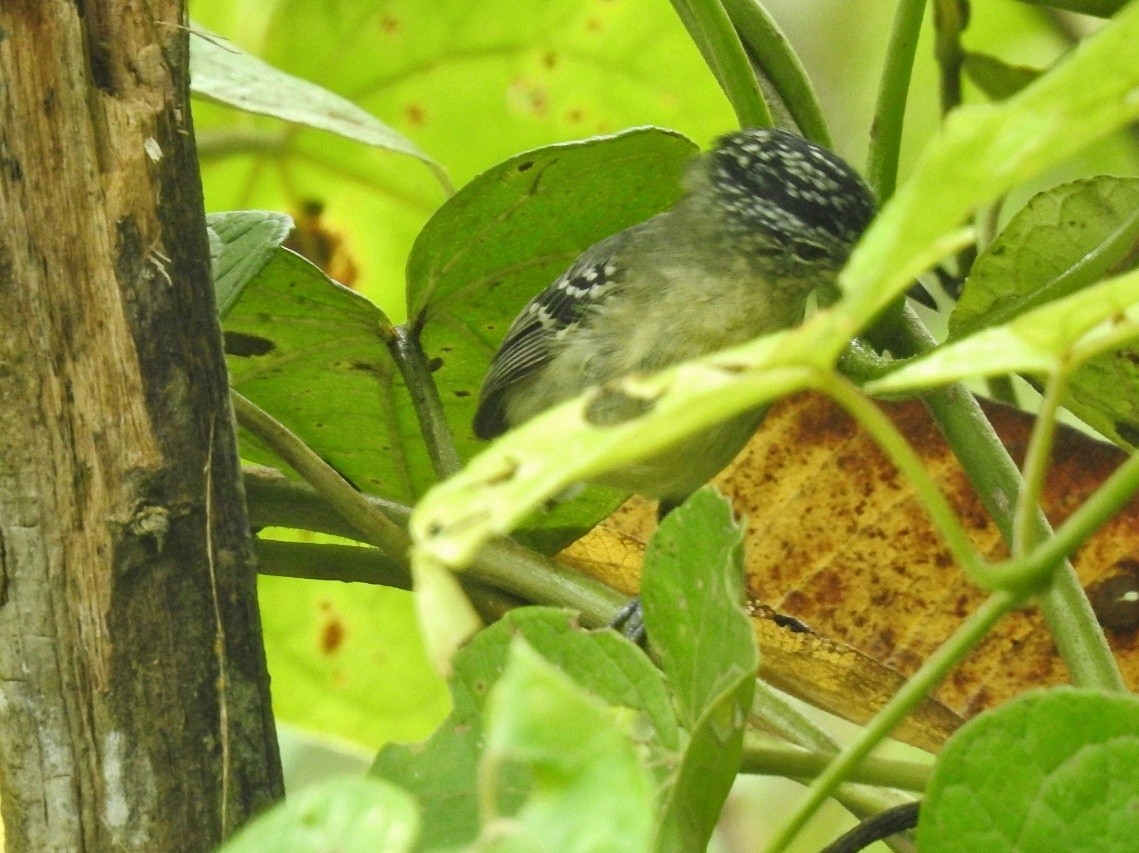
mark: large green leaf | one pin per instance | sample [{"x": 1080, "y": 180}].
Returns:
[
  {"x": 1054, "y": 770},
  {"x": 222, "y": 72},
  {"x": 470, "y": 84},
  {"x": 692, "y": 592},
  {"x": 1064, "y": 238},
  {"x": 590, "y": 791},
  {"x": 310, "y": 353},
  {"x": 512, "y": 231},
  {"x": 442, "y": 771},
  {"x": 353, "y": 815},
  {"x": 242, "y": 243}
]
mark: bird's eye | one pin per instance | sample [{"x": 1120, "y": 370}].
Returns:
[{"x": 808, "y": 251}]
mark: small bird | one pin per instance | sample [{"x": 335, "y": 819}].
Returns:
[{"x": 765, "y": 219}]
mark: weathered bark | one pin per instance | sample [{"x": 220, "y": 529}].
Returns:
[{"x": 134, "y": 702}]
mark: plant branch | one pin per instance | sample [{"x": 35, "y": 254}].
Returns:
[
  {"x": 408, "y": 354},
  {"x": 763, "y": 756},
  {"x": 931, "y": 673},
  {"x": 776, "y": 58},
  {"x": 997, "y": 481},
  {"x": 369, "y": 522},
  {"x": 712, "y": 31},
  {"x": 890, "y": 112},
  {"x": 503, "y": 564}
]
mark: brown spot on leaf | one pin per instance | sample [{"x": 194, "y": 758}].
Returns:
[
  {"x": 416, "y": 114},
  {"x": 332, "y": 635},
  {"x": 325, "y": 246}
]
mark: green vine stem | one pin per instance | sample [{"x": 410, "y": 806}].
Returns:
[
  {"x": 358, "y": 564},
  {"x": 1105, "y": 502},
  {"x": 719, "y": 43},
  {"x": 950, "y": 17},
  {"x": 998, "y": 483},
  {"x": 890, "y": 111},
  {"x": 771, "y": 712},
  {"x": 777, "y": 59},
  {"x": 936, "y": 667},
  {"x": 408, "y": 354},
  {"x": 887, "y": 436},
  {"x": 504, "y": 565},
  {"x": 1026, "y": 532},
  {"x": 763, "y": 756},
  {"x": 369, "y": 522}
]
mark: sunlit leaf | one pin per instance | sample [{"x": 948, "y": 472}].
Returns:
[
  {"x": 221, "y": 71},
  {"x": 242, "y": 243},
  {"x": 693, "y": 587},
  {"x": 590, "y": 790},
  {"x": 441, "y": 772},
  {"x": 352, "y": 815},
  {"x": 1068, "y": 778},
  {"x": 1041, "y": 341}
]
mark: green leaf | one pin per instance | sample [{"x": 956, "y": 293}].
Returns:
[
  {"x": 329, "y": 650},
  {"x": 1050, "y": 770},
  {"x": 509, "y": 233},
  {"x": 224, "y": 73},
  {"x": 692, "y": 592},
  {"x": 242, "y": 242},
  {"x": 1046, "y": 340},
  {"x": 1065, "y": 238},
  {"x": 310, "y": 352},
  {"x": 995, "y": 77},
  {"x": 347, "y": 815},
  {"x": 986, "y": 149},
  {"x": 442, "y": 771},
  {"x": 1099, "y": 8},
  {"x": 590, "y": 790},
  {"x": 473, "y": 86}
]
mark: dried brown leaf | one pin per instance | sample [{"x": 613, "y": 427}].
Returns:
[{"x": 849, "y": 583}]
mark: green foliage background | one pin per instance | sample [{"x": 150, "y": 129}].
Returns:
[{"x": 474, "y": 83}]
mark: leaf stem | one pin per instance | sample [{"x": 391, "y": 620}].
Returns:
[
  {"x": 712, "y": 31},
  {"x": 997, "y": 481},
  {"x": 889, "y": 114},
  {"x": 1026, "y": 532},
  {"x": 503, "y": 564},
  {"x": 408, "y": 354},
  {"x": 766, "y": 757},
  {"x": 931, "y": 673},
  {"x": 369, "y": 522},
  {"x": 776, "y": 58}
]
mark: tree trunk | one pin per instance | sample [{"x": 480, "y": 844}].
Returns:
[{"x": 134, "y": 701}]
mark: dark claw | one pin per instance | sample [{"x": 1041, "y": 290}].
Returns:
[{"x": 630, "y": 620}]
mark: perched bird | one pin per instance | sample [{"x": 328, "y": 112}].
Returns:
[{"x": 765, "y": 219}]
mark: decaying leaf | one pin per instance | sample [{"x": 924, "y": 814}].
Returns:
[{"x": 851, "y": 586}]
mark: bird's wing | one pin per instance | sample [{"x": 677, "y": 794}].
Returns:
[{"x": 533, "y": 337}]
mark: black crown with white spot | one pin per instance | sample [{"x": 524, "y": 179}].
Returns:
[{"x": 785, "y": 190}]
